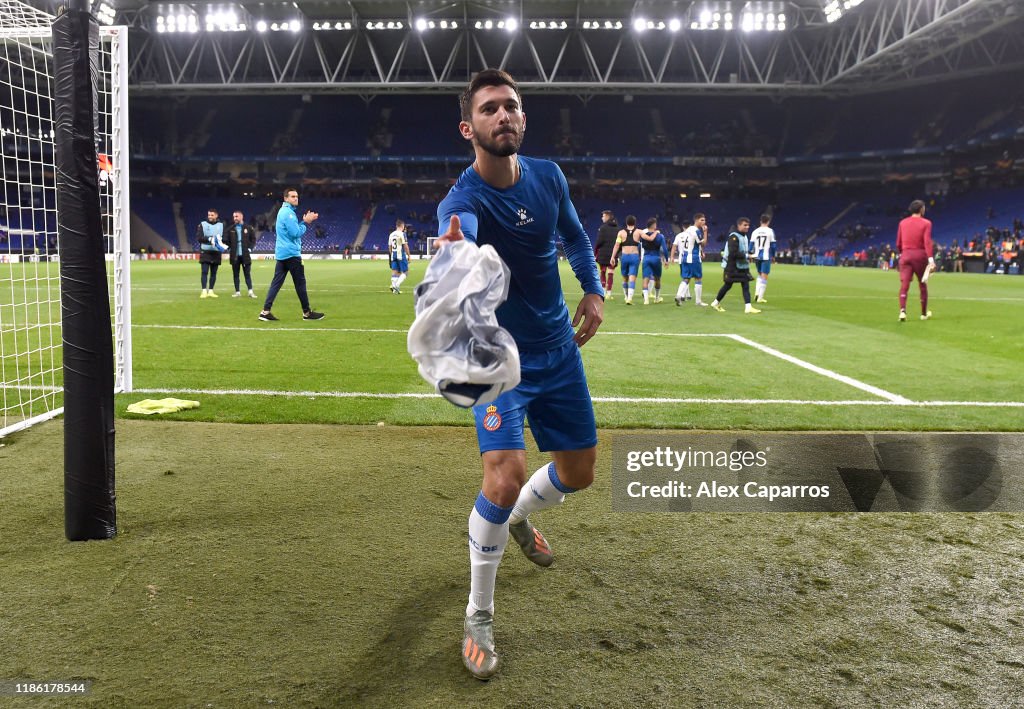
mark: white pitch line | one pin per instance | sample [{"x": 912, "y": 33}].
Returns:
[
  {"x": 665, "y": 334},
  {"x": 968, "y": 299},
  {"x": 310, "y": 394},
  {"x": 895, "y": 398},
  {"x": 431, "y": 395},
  {"x": 270, "y": 328},
  {"x": 597, "y": 399}
]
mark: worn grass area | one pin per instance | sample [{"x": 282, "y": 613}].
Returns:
[{"x": 323, "y": 566}]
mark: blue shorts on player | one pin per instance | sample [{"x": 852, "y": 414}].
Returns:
[
  {"x": 691, "y": 270},
  {"x": 652, "y": 267},
  {"x": 764, "y": 265},
  {"x": 630, "y": 264},
  {"x": 400, "y": 265},
  {"x": 552, "y": 395}
]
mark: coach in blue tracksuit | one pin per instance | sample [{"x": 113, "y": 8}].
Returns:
[{"x": 288, "y": 253}]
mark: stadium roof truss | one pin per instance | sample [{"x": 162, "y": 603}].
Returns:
[{"x": 558, "y": 46}]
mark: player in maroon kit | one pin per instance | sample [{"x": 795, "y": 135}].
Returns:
[{"x": 914, "y": 245}]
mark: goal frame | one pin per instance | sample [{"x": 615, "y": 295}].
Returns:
[{"x": 118, "y": 205}]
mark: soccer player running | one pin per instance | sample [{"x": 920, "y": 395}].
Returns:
[
  {"x": 288, "y": 253},
  {"x": 515, "y": 204},
  {"x": 763, "y": 250},
  {"x": 688, "y": 244},
  {"x": 914, "y": 245},
  {"x": 735, "y": 267},
  {"x": 398, "y": 250},
  {"x": 627, "y": 245},
  {"x": 606, "y": 234},
  {"x": 652, "y": 242}
]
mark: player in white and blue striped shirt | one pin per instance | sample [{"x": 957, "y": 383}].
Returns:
[{"x": 762, "y": 244}]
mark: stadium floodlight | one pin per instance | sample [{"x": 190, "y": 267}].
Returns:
[
  {"x": 488, "y": 25},
  {"x": 274, "y": 27},
  {"x": 674, "y": 24},
  {"x": 711, "y": 15},
  {"x": 511, "y": 24},
  {"x": 639, "y": 24},
  {"x": 261, "y": 26},
  {"x": 295, "y": 25},
  {"x": 835, "y": 9},
  {"x": 421, "y": 25}
]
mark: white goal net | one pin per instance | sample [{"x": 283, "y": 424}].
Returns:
[{"x": 31, "y": 371}]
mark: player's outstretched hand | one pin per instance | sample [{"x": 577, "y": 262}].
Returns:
[
  {"x": 591, "y": 313},
  {"x": 454, "y": 233},
  {"x": 310, "y": 217}
]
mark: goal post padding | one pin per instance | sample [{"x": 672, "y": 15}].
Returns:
[{"x": 89, "y": 500}]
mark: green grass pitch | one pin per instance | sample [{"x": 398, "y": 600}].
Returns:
[{"x": 297, "y": 562}]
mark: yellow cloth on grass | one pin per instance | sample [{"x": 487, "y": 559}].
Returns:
[{"x": 161, "y": 406}]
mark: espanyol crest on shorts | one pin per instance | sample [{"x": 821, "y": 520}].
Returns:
[{"x": 492, "y": 419}]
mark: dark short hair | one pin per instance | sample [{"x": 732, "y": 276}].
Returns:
[
  {"x": 630, "y": 220},
  {"x": 487, "y": 77},
  {"x": 652, "y": 221},
  {"x": 742, "y": 220},
  {"x": 608, "y": 212},
  {"x": 916, "y": 206},
  {"x": 698, "y": 215},
  {"x": 284, "y": 195},
  {"x": 211, "y": 209},
  {"x": 765, "y": 218}
]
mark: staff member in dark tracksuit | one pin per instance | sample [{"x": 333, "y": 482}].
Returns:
[{"x": 241, "y": 241}]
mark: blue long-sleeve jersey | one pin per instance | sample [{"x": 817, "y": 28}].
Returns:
[
  {"x": 289, "y": 233},
  {"x": 520, "y": 223}
]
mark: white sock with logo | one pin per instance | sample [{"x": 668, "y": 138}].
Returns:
[
  {"x": 488, "y": 534},
  {"x": 541, "y": 491},
  {"x": 697, "y": 291}
]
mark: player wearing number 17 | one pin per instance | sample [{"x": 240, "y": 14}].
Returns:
[{"x": 516, "y": 205}]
